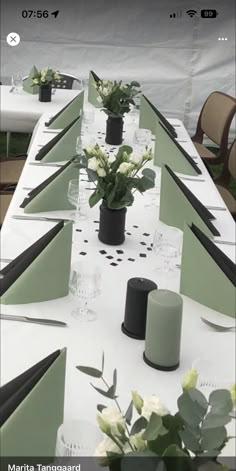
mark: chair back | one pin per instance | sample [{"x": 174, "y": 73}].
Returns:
[
  {"x": 216, "y": 116},
  {"x": 66, "y": 81},
  {"x": 232, "y": 159}
]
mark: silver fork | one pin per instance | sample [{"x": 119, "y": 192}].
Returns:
[{"x": 218, "y": 327}]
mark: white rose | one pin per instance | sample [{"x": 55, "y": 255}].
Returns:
[
  {"x": 101, "y": 172},
  {"x": 105, "y": 91},
  {"x": 106, "y": 445},
  {"x": 137, "y": 159},
  {"x": 90, "y": 150},
  {"x": 93, "y": 163},
  {"x": 99, "y": 99},
  {"x": 125, "y": 168},
  {"x": 35, "y": 81},
  {"x": 113, "y": 418},
  {"x": 153, "y": 404}
]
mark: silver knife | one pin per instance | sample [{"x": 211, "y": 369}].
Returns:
[
  {"x": 45, "y": 164},
  {"x": 216, "y": 208},
  {"x": 33, "y": 320},
  {"x": 224, "y": 242},
  {"x": 41, "y": 218},
  {"x": 192, "y": 179}
]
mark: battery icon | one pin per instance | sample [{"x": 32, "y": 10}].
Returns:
[{"x": 209, "y": 13}]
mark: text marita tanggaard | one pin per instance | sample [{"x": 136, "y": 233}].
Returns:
[{"x": 40, "y": 467}]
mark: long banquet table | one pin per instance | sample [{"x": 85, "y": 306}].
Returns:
[
  {"x": 25, "y": 344},
  {"x": 21, "y": 111}
]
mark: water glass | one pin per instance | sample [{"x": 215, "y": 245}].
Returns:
[
  {"x": 16, "y": 82},
  {"x": 142, "y": 138},
  {"x": 167, "y": 256},
  {"x": 77, "y": 438},
  {"x": 85, "y": 284},
  {"x": 79, "y": 146},
  {"x": 77, "y": 196}
]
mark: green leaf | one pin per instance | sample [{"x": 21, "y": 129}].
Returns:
[
  {"x": 142, "y": 461},
  {"x": 198, "y": 397},
  {"x": 100, "y": 407},
  {"x": 139, "y": 425},
  {"x": 172, "y": 425},
  {"x": 189, "y": 410},
  {"x": 129, "y": 413},
  {"x": 174, "y": 450},
  {"x": 95, "y": 198},
  {"x": 108, "y": 393},
  {"x": 189, "y": 439},
  {"x": 103, "y": 359},
  {"x": 114, "y": 380},
  {"x": 221, "y": 402},
  {"x": 153, "y": 428},
  {"x": 90, "y": 371},
  {"x": 135, "y": 84},
  {"x": 148, "y": 172},
  {"x": 213, "y": 438},
  {"x": 215, "y": 421}
]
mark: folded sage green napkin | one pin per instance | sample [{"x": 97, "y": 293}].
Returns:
[
  {"x": 93, "y": 95},
  {"x": 169, "y": 151},
  {"x": 207, "y": 275},
  {"x": 62, "y": 146},
  {"x": 149, "y": 115},
  {"x": 32, "y": 407},
  {"x": 67, "y": 114},
  {"x": 179, "y": 205},
  {"x": 51, "y": 195},
  {"x": 42, "y": 271},
  {"x": 27, "y": 83}
]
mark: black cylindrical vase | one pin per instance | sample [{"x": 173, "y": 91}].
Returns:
[
  {"x": 111, "y": 225},
  {"x": 134, "y": 324},
  {"x": 114, "y": 131},
  {"x": 45, "y": 93}
]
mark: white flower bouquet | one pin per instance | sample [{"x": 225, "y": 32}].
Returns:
[
  {"x": 115, "y": 97},
  {"x": 45, "y": 77},
  {"x": 196, "y": 434},
  {"x": 116, "y": 180}
]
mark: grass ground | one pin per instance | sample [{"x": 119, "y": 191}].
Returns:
[{"x": 20, "y": 141}]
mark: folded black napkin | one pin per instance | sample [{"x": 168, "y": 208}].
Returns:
[
  {"x": 182, "y": 150},
  {"x": 14, "y": 392},
  {"x": 162, "y": 118},
  {"x": 17, "y": 266},
  {"x": 224, "y": 263},
  {"x": 45, "y": 149},
  {"x": 203, "y": 212}
]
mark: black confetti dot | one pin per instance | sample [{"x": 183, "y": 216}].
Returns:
[
  {"x": 143, "y": 255},
  {"x": 109, "y": 257},
  {"x": 146, "y": 234},
  {"x": 85, "y": 241},
  {"x": 128, "y": 233},
  {"x": 119, "y": 259},
  {"x": 103, "y": 252},
  {"x": 131, "y": 259},
  {"x": 96, "y": 222},
  {"x": 151, "y": 245},
  {"x": 149, "y": 248},
  {"x": 83, "y": 253},
  {"x": 143, "y": 243},
  {"x": 96, "y": 230},
  {"x": 114, "y": 264},
  {"x": 119, "y": 251},
  {"x": 136, "y": 227},
  {"x": 78, "y": 230}
]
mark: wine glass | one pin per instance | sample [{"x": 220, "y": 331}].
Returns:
[
  {"x": 85, "y": 284},
  {"x": 167, "y": 255},
  {"x": 142, "y": 138},
  {"x": 16, "y": 82},
  {"x": 79, "y": 146},
  {"x": 77, "y": 196},
  {"x": 77, "y": 438},
  {"x": 88, "y": 119}
]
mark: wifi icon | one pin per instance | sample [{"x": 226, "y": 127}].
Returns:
[{"x": 191, "y": 13}]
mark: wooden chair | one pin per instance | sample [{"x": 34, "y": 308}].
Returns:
[
  {"x": 10, "y": 170},
  {"x": 5, "y": 199},
  {"x": 226, "y": 195},
  {"x": 214, "y": 121}
]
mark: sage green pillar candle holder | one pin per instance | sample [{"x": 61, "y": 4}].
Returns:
[{"x": 163, "y": 330}]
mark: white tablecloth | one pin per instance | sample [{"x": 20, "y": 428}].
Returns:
[
  {"x": 25, "y": 344},
  {"x": 21, "y": 111}
]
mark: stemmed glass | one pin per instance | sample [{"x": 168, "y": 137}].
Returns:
[
  {"x": 77, "y": 197},
  {"x": 85, "y": 284},
  {"x": 77, "y": 438},
  {"x": 167, "y": 255},
  {"x": 142, "y": 138},
  {"x": 88, "y": 119},
  {"x": 16, "y": 82}
]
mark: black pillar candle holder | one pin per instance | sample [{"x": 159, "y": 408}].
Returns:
[{"x": 134, "y": 324}]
